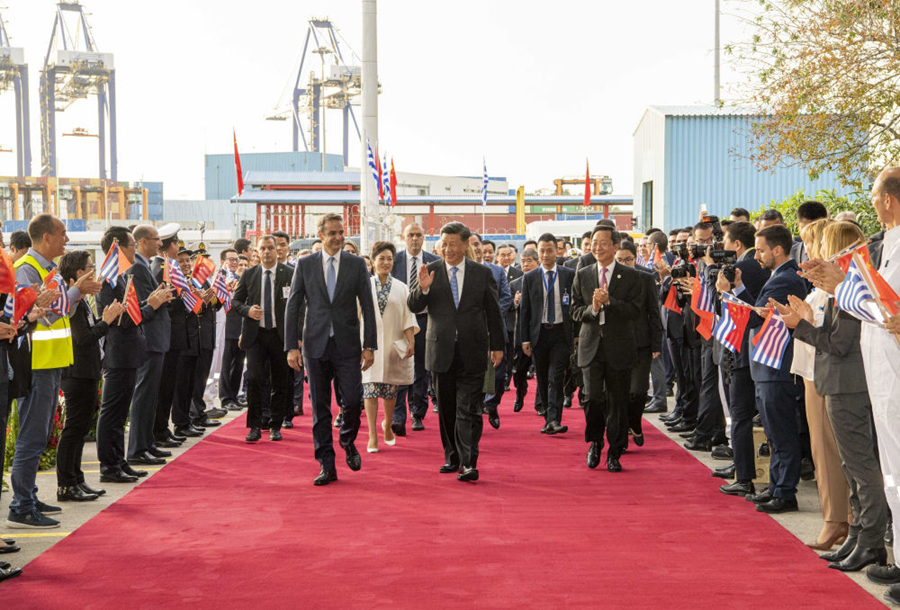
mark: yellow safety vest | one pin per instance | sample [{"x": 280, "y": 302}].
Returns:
[{"x": 51, "y": 345}]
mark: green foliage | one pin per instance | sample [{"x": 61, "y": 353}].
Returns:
[{"x": 858, "y": 202}]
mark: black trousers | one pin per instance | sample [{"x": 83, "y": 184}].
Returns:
[
  {"x": 296, "y": 393},
  {"x": 460, "y": 397},
  {"x": 201, "y": 376},
  {"x": 166, "y": 394},
  {"x": 267, "y": 364},
  {"x": 5, "y": 401},
  {"x": 345, "y": 374},
  {"x": 81, "y": 404},
  {"x": 415, "y": 396},
  {"x": 233, "y": 358},
  {"x": 710, "y": 417},
  {"x": 118, "y": 389},
  {"x": 690, "y": 396},
  {"x": 742, "y": 406},
  {"x": 606, "y": 409},
  {"x": 637, "y": 394},
  {"x": 184, "y": 389},
  {"x": 551, "y": 359},
  {"x": 510, "y": 357},
  {"x": 676, "y": 355}
]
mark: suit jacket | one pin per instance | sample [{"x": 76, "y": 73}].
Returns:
[
  {"x": 648, "y": 324},
  {"x": 155, "y": 322},
  {"x": 754, "y": 277},
  {"x": 477, "y": 324},
  {"x": 616, "y": 336},
  {"x": 514, "y": 287},
  {"x": 206, "y": 321},
  {"x": 249, "y": 293},
  {"x": 352, "y": 293},
  {"x": 399, "y": 272},
  {"x": 839, "y": 365},
  {"x": 509, "y": 319},
  {"x": 784, "y": 282},
  {"x": 585, "y": 260},
  {"x": 85, "y": 343},
  {"x": 531, "y": 309},
  {"x": 124, "y": 347},
  {"x": 876, "y": 245}
]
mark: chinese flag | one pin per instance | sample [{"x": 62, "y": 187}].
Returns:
[
  {"x": 393, "y": 184},
  {"x": 132, "y": 304},
  {"x": 203, "y": 269},
  {"x": 7, "y": 273},
  {"x": 671, "y": 303},
  {"x": 25, "y": 299},
  {"x": 740, "y": 316},
  {"x": 587, "y": 184},
  {"x": 237, "y": 166}
]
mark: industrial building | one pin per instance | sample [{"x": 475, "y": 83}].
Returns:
[{"x": 685, "y": 156}]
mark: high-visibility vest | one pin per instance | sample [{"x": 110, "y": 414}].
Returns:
[{"x": 51, "y": 346}]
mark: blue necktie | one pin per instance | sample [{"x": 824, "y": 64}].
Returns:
[
  {"x": 454, "y": 286},
  {"x": 331, "y": 280},
  {"x": 551, "y": 302},
  {"x": 267, "y": 300}
]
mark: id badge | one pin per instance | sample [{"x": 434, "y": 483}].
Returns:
[
  {"x": 565, "y": 298},
  {"x": 285, "y": 291}
]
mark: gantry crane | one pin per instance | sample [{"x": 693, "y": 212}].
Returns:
[
  {"x": 74, "y": 69},
  {"x": 14, "y": 72},
  {"x": 333, "y": 89}
]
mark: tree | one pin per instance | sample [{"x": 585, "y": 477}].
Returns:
[
  {"x": 858, "y": 202},
  {"x": 825, "y": 74}
]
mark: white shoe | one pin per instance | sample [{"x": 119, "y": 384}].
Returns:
[
  {"x": 371, "y": 450},
  {"x": 384, "y": 430}
]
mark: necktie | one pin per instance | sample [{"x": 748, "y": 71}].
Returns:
[
  {"x": 454, "y": 286},
  {"x": 413, "y": 275},
  {"x": 602, "y": 277},
  {"x": 331, "y": 280},
  {"x": 551, "y": 301},
  {"x": 267, "y": 300}
]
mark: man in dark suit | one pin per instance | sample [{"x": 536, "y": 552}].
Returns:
[
  {"x": 406, "y": 269},
  {"x": 605, "y": 299},
  {"x": 156, "y": 327},
  {"x": 334, "y": 286},
  {"x": 465, "y": 329},
  {"x": 233, "y": 357},
  {"x": 648, "y": 335},
  {"x": 505, "y": 257},
  {"x": 206, "y": 322},
  {"x": 546, "y": 328},
  {"x": 521, "y": 361},
  {"x": 260, "y": 298},
  {"x": 777, "y": 396},
  {"x": 586, "y": 258}
]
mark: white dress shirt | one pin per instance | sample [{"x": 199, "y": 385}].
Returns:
[
  {"x": 460, "y": 275},
  {"x": 601, "y": 315},
  {"x": 557, "y": 303},
  {"x": 337, "y": 265},
  {"x": 262, "y": 297},
  {"x": 409, "y": 266}
]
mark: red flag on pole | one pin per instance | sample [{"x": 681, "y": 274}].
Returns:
[
  {"x": 7, "y": 273},
  {"x": 132, "y": 304},
  {"x": 671, "y": 303},
  {"x": 740, "y": 316},
  {"x": 886, "y": 294},
  {"x": 203, "y": 269},
  {"x": 24, "y": 299},
  {"x": 393, "y": 184},
  {"x": 237, "y": 166},
  {"x": 587, "y": 184}
]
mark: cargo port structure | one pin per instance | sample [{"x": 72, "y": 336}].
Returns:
[{"x": 14, "y": 74}]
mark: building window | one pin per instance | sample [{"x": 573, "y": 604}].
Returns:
[{"x": 647, "y": 204}]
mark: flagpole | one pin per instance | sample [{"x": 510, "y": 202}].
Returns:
[
  {"x": 125, "y": 298},
  {"x": 864, "y": 272}
]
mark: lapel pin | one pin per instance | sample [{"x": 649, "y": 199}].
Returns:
[{"x": 618, "y": 277}]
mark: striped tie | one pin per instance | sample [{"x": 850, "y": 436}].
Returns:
[{"x": 414, "y": 276}]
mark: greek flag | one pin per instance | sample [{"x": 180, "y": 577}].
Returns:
[
  {"x": 771, "y": 341},
  {"x": 484, "y": 185},
  {"x": 372, "y": 165},
  {"x": 386, "y": 178},
  {"x": 640, "y": 261},
  {"x": 853, "y": 294}
]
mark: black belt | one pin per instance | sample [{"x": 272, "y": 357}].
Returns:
[{"x": 551, "y": 326}]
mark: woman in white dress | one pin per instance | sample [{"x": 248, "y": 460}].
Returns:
[{"x": 396, "y": 325}]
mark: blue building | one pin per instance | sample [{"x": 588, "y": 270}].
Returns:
[
  {"x": 221, "y": 178},
  {"x": 685, "y": 156}
]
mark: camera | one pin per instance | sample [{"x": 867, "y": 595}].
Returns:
[
  {"x": 683, "y": 269},
  {"x": 716, "y": 226},
  {"x": 724, "y": 260}
]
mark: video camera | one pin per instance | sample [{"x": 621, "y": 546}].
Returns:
[
  {"x": 724, "y": 260},
  {"x": 684, "y": 268}
]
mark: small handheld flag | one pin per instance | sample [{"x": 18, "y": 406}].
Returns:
[
  {"x": 20, "y": 304},
  {"x": 114, "y": 265},
  {"x": 854, "y": 296},
  {"x": 7, "y": 273},
  {"x": 771, "y": 341},
  {"x": 730, "y": 329},
  {"x": 702, "y": 305},
  {"x": 61, "y": 304},
  {"x": 222, "y": 292},
  {"x": 203, "y": 270},
  {"x": 132, "y": 304},
  {"x": 671, "y": 302}
]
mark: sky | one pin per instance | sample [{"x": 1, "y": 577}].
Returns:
[{"x": 533, "y": 87}]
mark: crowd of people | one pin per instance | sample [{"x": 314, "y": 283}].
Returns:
[{"x": 613, "y": 329}]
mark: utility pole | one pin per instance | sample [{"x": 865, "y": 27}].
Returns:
[
  {"x": 370, "y": 223},
  {"x": 717, "y": 96}
]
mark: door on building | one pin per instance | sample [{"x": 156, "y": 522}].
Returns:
[{"x": 647, "y": 204}]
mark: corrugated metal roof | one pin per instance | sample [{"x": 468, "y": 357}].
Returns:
[
  {"x": 296, "y": 178},
  {"x": 705, "y": 110}
]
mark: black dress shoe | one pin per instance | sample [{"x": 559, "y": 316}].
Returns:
[
  {"x": 467, "y": 474},
  {"x": 776, "y": 506},
  {"x": 722, "y": 452},
  {"x": 760, "y": 498},
  {"x": 145, "y": 459},
  {"x": 494, "y": 420},
  {"x": 175, "y": 437},
  {"x": 738, "y": 488},
  {"x": 254, "y": 435},
  {"x": 90, "y": 490},
  {"x": 843, "y": 552},
  {"x": 287, "y": 424},
  {"x": 683, "y": 426},
  {"x": 698, "y": 444},
  {"x": 541, "y": 412},
  {"x": 117, "y": 476},
  {"x": 688, "y": 435},
  {"x": 807, "y": 470},
  {"x": 325, "y": 477},
  {"x": 889, "y": 533},
  {"x": 884, "y": 575},
  {"x": 417, "y": 424},
  {"x": 517, "y": 406},
  {"x": 275, "y": 435},
  {"x": 354, "y": 461},
  {"x": 719, "y": 441},
  {"x": 613, "y": 465},
  {"x": 893, "y": 594},
  {"x": 339, "y": 420},
  {"x": 673, "y": 422},
  {"x": 189, "y": 431},
  {"x": 207, "y": 423},
  {"x": 9, "y": 548},
  {"x": 7, "y": 573},
  {"x": 655, "y": 409},
  {"x": 638, "y": 438},
  {"x": 157, "y": 453},
  {"x": 724, "y": 473},
  {"x": 544, "y": 429},
  {"x": 860, "y": 558},
  {"x": 127, "y": 469},
  {"x": 670, "y": 416},
  {"x": 593, "y": 454},
  {"x": 554, "y": 428},
  {"x": 567, "y": 402},
  {"x": 447, "y": 468},
  {"x": 398, "y": 429},
  {"x": 74, "y": 494},
  {"x": 167, "y": 444},
  {"x": 265, "y": 424}
]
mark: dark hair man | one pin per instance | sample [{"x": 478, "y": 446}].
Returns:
[
  {"x": 19, "y": 243},
  {"x": 740, "y": 214},
  {"x": 521, "y": 362}
]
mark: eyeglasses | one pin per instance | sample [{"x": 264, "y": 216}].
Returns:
[{"x": 625, "y": 261}]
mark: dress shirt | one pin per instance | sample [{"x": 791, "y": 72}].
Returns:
[
  {"x": 409, "y": 259},
  {"x": 262, "y": 297},
  {"x": 460, "y": 275},
  {"x": 601, "y": 315},
  {"x": 557, "y": 304},
  {"x": 337, "y": 266},
  {"x": 28, "y": 275}
]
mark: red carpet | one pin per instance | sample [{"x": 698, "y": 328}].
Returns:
[{"x": 229, "y": 525}]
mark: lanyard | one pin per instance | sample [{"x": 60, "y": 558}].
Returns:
[{"x": 548, "y": 287}]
